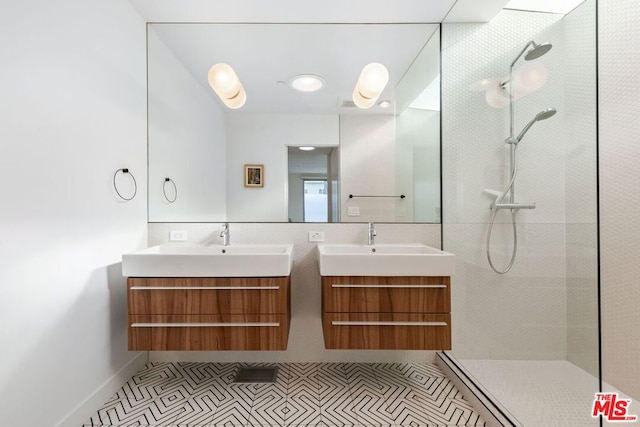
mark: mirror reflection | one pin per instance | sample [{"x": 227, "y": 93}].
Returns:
[
  {"x": 379, "y": 164},
  {"x": 313, "y": 184}
]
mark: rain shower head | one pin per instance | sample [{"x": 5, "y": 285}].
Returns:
[
  {"x": 542, "y": 115},
  {"x": 537, "y": 51},
  {"x": 531, "y": 50}
]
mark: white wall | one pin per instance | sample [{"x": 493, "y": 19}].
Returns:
[
  {"x": 418, "y": 163},
  {"x": 263, "y": 139},
  {"x": 306, "y": 343},
  {"x": 390, "y": 155},
  {"x": 368, "y": 168},
  {"x": 186, "y": 141},
  {"x": 619, "y": 127},
  {"x": 72, "y": 112}
]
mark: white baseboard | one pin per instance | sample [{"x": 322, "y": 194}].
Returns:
[{"x": 87, "y": 408}]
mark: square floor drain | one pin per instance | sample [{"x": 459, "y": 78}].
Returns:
[{"x": 263, "y": 374}]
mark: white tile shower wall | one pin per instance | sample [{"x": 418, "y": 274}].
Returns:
[
  {"x": 521, "y": 314},
  {"x": 580, "y": 186},
  {"x": 305, "y": 339},
  {"x": 619, "y": 108},
  {"x": 514, "y": 316}
]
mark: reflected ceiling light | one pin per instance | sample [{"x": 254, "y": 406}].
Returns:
[
  {"x": 527, "y": 78},
  {"x": 372, "y": 81},
  {"x": 225, "y": 83},
  {"x": 384, "y": 104},
  {"x": 307, "y": 82},
  {"x": 482, "y": 85},
  {"x": 307, "y": 148},
  {"x": 496, "y": 96}
]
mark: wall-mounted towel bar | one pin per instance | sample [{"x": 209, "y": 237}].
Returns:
[{"x": 402, "y": 196}]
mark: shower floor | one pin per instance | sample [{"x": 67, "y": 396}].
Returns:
[
  {"x": 539, "y": 393},
  {"x": 304, "y": 394}
]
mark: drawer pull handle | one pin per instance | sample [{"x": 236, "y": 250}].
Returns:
[
  {"x": 208, "y": 288},
  {"x": 390, "y": 286},
  {"x": 382, "y": 323},
  {"x": 205, "y": 325}
]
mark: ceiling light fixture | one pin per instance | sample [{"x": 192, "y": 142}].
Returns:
[
  {"x": 307, "y": 82},
  {"x": 372, "y": 81},
  {"x": 307, "y": 148},
  {"x": 384, "y": 104},
  {"x": 225, "y": 83}
]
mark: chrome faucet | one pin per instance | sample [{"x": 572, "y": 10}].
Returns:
[
  {"x": 226, "y": 236},
  {"x": 371, "y": 236}
]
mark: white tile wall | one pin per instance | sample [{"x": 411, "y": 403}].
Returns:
[
  {"x": 305, "y": 339},
  {"x": 521, "y": 315},
  {"x": 580, "y": 133},
  {"x": 619, "y": 91},
  {"x": 546, "y": 306}
]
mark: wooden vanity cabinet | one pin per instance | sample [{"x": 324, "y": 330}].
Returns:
[
  {"x": 203, "y": 313},
  {"x": 374, "y": 312}
]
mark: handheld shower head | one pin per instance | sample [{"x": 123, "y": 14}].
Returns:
[
  {"x": 542, "y": 115},
  {"x": 537, "y": 51},
  {"x": 545, "y": 114}
]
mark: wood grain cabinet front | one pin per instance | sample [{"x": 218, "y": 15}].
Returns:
[
  {"x": 209, "y": 313},
  {"x": 371, "y": 312}
]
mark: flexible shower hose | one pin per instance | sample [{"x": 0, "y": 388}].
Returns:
[{"x": 494, "y": 212}]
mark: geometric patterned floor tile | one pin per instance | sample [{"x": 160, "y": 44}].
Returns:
[
  {"x": 303, "y": 395},
  {"x": 338, "y": 411}
]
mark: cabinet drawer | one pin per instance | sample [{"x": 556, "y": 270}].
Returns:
[
  {"x": 364, "y": 294},
  {"x": 387, "y": 331},
  {"x": 208, "y": 332},
  {"x": 203, "y": 295}
]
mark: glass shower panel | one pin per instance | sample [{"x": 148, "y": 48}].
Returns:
[{"x": 529, "y": 336}]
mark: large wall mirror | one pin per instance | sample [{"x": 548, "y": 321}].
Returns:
[{"x": 209, "y": 163}]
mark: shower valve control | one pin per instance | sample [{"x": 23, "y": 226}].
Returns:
[{"x": 515, "y": 205}]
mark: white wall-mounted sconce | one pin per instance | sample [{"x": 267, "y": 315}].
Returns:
[
  {"x": 372, "y": 81},
  {"x": 528, "y": 78},
  {"x": 225, "y": 83}
]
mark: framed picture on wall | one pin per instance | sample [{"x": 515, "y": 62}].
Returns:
[{"x": 254, "y": 176}]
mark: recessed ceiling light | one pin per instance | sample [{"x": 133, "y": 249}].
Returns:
[
  {"x": 384, "y": 104},
  {"x": 307, "y": 82},
  {"x": 307, "y": 148}
]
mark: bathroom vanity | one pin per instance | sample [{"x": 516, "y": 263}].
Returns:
[
  {"x": 386, "y": 297},
  {"x": 209, "y": 313},
  {"x": 184, "y": 298}
]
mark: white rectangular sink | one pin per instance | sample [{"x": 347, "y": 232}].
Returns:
[
  {"x": 384, "y": 260},
  {"x": 238, "y": 260}
]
